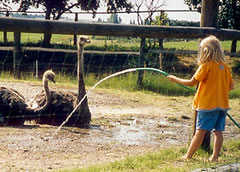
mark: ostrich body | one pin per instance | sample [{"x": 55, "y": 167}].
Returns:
[
  {"x": 58, "y": 105},
  {"x": 54, "y": 105},
  {"x": 13, "y": 108}
]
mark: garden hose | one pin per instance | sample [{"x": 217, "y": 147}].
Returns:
[{"x": 189, "y": 88}]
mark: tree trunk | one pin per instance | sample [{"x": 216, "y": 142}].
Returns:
[
  {"x": 209, "y": 13},
  {"x": 5, "y": 33},
  {"x": 141, "y": 61},
  {"x": 234, "y": 46},
  {"x": 75, "y": 36},
  {"x": 16, "y": 54},
  {"x": 160, "y": 41},
  {"x": 47, "y": 37},
  {"x": 235, "y": 25}
]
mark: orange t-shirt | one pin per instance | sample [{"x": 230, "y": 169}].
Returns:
[{"x": 214, "y": 82}]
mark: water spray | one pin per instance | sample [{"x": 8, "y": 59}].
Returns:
[{"x": 119, "y": 73}]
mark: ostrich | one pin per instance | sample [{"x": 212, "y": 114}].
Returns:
[
  {"x": 13, "y": 108},
  {"x": 62, "y": 103},
  {"x": 54, "y": 105},
  {"x": 42, "y": 98}
]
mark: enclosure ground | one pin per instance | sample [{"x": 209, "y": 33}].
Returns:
[{"x": 123, "y": 124}]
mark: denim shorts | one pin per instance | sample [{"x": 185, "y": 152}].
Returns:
[{"x": 209, "y": 120}]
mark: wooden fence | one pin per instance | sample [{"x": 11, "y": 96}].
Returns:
[
  {"x": 18, "y": 25},
  {"x": 9, "y": 24}
]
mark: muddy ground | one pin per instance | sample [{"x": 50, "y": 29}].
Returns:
[{"x": 123, "y": 124}]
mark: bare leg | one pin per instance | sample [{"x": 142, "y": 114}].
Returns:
[
  {"x": 218, "y": 141},
  {"x": 195, "y": 143}
]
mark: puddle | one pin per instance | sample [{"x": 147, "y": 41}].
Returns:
[
  {"x": 130, "y": 133},
  {"x": 140, "y": 131}
]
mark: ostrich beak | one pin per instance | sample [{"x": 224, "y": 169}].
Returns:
[{"x": 53, "y": 80}]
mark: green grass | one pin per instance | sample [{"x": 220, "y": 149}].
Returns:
[
  {"x": 114, "y": 44},
  {"x": 168, "y": 160},
  {"x": 152, "y": 83}
]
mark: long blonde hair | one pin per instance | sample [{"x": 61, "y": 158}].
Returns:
[{"x": 210, "y": 50}]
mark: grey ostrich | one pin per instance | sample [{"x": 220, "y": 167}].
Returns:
[
  {"x": 62, "y": 103},
  {"x": 54, "y": 105},
  {"x": 42, "y": 98},
  {"x": 13, "y": 108}
]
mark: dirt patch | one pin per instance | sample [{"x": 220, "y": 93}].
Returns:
[{"x": 122, "y": 125}]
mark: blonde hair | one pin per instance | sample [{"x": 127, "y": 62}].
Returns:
[{"x": 210, "y": 50}]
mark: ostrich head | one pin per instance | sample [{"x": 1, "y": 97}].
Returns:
[
  {"x": 83, "y": 40},
  {"x": 50, "y": 75}
]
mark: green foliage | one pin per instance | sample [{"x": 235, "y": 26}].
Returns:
[
  {"x": 159, "y": 84},
  {"x": 57, "y": 8},
  {"x": 114, "y": 19},
  {"x": 105, "y": 43},
  {"x": 161, "y": 20},
  {"x": 229, "y": 14}
]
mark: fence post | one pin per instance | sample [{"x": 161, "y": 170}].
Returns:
[
  {"x": 5, "y": 33},
  {"x": 141, "y": 61},
  {"x": 209, "y": 13},
  {"x": 160, "y": 54},
  {"x": 16, "y": 54},
  {"x": 75, "y": 36}
]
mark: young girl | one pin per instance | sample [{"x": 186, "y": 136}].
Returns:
[{"x": 211, "y": 100}]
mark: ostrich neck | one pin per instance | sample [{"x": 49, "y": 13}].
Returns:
[
  {"x": 46, "y": 89},
  {"x": 80, "y": 59},
  {"x": 80, "y": 73}
]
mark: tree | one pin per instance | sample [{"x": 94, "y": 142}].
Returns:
[
  {"x": 113, "y": 19},
  {"x": 228, "y": 16},
  {"x": 152, "y": 7},
  {"x": 55, "y": 9}
]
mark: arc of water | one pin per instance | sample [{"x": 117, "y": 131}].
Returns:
[
  {"x": 92, "y": 88},
  {"x": 119, "y": 73}
]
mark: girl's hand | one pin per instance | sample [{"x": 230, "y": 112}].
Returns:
[{"x": 171, "y": 78}]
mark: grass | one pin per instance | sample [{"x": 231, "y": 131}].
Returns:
[
  {"x": 111, "y": 43},
  {"x": 152, "y": 83},
  {"x": 168, "y": 160}
]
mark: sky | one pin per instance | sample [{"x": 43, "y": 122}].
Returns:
[
  {"x": 169, "y": 5},
  {"x": 179, "y": 5}
]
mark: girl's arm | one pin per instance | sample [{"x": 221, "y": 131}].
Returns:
[{"x": 186, "y": 82}]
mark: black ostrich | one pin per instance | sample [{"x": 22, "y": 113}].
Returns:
[{"x": 13, "y": 108}]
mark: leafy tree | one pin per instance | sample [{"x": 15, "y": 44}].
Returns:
[
  {"x": 183, "y": 23},
  {"x": 56, "y": 8},
  {"x": 228, "y": 17},
  {"x": 161, "y": 19},
  {"x": 194, "y": 4},
  {"x": 100, "y": 20},
  {"x": 114, "y": 19}
]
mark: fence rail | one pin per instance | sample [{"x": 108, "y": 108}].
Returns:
[
  {"x": 9, "y": 24},
  {"x": 165, "y": 51}
]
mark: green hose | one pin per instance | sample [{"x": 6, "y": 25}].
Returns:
[{"x": 191, "y": 89}]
